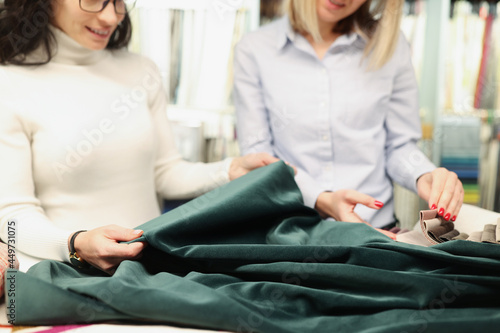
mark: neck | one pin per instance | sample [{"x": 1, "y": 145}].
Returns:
[
  {"x": 326, "y": 32},
  {"x": 70, "y": 52},
  {"x": 327, "y": 36}
]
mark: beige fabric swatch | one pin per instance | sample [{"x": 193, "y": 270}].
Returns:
[
  {"x": 434, "y": 226},
  {"x": 475, "y": 236},
  {"x": 488, "y": 235},
  {"x": 498, "y": 231},
  {"x": 434, "y": 230},
  {"x": 449, "y": 235},
  {"x": 461, "y": 236}
]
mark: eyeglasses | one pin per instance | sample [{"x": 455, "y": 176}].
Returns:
[{"x": 96, "y": 6}]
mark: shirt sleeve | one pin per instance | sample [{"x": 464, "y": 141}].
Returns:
[
  {"x": 23, "y": 223},
  {"x": 176, "y": 178},
  {"x": 405, "y": 161},
  {"x": 252, "y": 118}
]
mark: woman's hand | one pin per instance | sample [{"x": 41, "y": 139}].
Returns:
[
  {"x": 443, "y": 191},
  {"x": 244, "y": 164},
  {"x": 100, "y": 247},
  {"x": 340, "y": 204}
]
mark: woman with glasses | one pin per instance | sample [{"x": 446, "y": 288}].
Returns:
[
  {"x": 331, "y": 89},
  {"x": 84, "y": 139}
]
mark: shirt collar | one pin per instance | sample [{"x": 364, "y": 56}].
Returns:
[{"x": 286, "y": 33}]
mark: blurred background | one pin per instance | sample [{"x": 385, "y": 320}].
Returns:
[{"x": 455, "y": 47}]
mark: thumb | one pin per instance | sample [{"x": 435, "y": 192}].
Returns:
[
  {"x": 122, "y": 234},
  {"x": 267, "y": 158},
  {"x": 352, "y": 217}
]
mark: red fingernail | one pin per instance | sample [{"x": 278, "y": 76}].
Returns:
[
  {"x": 447, "y": 216},
  {"x": 379, "y": 204},
  {"x": 434, "y": 206},
  {"x": 441, "y": 211},
  {"x": 453, "y": 218}
]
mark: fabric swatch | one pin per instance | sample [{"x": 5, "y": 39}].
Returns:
[
  {"x": 475, "y": 236},
  {"x": 434, "y": 226},
  {"x": 437, "y": 230},
  {"x": 461, "y": 236},
  {"x": 488, "y": 235}
]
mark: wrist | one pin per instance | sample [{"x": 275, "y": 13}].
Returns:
[
  {"x": 74, "y": 248},
  {"x": 230, "y": 165},
  {"x": 322, "y": 204},
  {"x": 422, "y": 177}
]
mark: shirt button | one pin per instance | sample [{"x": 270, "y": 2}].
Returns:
[
  {"x": 325, "y": 137},
  {"x": 322, "y": 104}
]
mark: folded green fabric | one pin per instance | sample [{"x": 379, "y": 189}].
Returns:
[{"x": 250, "y": 257}]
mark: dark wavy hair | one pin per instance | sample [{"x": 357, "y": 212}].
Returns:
[{"x": 24, "y": 27}]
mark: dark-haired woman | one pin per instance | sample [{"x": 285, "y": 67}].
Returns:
[{"x": 84, "y": 139}]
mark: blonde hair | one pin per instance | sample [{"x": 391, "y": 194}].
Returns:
[{"x": 378, "y": 24}]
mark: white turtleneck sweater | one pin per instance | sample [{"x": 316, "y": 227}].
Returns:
[{"x": 85, "y": 142}]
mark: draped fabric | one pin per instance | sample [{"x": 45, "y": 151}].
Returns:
[{"x": 250, "y": 257}]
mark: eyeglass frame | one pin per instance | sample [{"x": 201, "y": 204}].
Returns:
[{"x": 105, "y": 4}]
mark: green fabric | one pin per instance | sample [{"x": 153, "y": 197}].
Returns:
[{"x": 250, "y": 256}]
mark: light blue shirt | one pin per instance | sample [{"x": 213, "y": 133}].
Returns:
[{"x": 342, "y": 126}]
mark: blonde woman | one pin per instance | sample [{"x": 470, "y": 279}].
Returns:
[{"x": 331, "y": 89}]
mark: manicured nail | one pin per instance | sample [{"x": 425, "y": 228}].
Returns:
[
  {"x": 453, "y": 218},
  {"x": 379, "y": 204},
  {"x": 447, "y": 216},
  {"x": 441, "y": 212},
  {"x": 137, "y": 232},
  {"x": 434, "y": 207}
]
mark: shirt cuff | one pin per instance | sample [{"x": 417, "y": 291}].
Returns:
[
  {"x": 308, "y": 187},
  {"x": 426, "y": 167}
]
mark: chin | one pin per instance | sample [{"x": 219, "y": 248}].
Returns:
[{"x": 96, "y": 46}]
